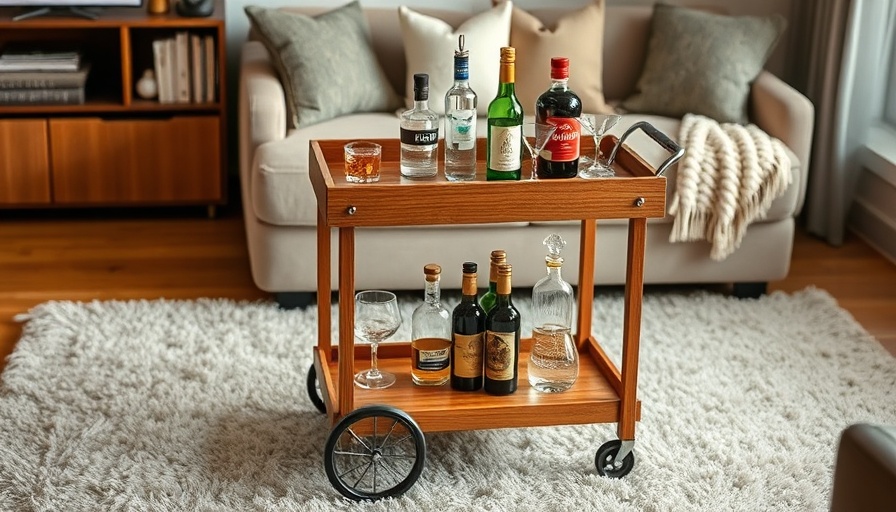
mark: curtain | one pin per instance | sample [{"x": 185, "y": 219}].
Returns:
[{"x": 846, "y": 80}]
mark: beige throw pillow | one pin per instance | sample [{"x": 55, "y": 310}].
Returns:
[
  {"x": 702, "y": 63},
  {"x": 579, "y": 36},
  {"x": 429, "y": 45}
]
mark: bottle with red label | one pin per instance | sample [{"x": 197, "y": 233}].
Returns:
[{"x": 560, "y": 107}]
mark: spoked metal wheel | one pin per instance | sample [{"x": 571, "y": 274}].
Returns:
[
  {"x": 314, "y": 394},
  {"x": 606, "y": 463},
  {"x": 374, "y": 452}
]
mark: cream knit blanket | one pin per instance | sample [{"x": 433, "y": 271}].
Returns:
[{"x": 728, "y": 177}]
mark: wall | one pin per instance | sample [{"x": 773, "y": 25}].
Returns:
[{"x": 873, "y": 212}]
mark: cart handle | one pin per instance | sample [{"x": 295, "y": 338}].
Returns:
[{"x": 660, "y": 138}]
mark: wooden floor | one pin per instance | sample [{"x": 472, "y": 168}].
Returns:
[{"x": 86, "y": 255}]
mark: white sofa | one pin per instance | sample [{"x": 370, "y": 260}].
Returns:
[{"x": 280, "y": 209}]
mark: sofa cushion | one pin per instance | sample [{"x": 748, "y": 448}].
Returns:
[
  {"x": 429, "y": 44},
  {"x": 578, "y": 35},
  {"x": 324, "y": 76},
  {"x": 702, "y": 63}
]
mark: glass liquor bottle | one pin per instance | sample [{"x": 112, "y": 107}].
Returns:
[
  {"x": 505, "y": 125},
  {"x": 554, "y": 359},
  {"x": 419, "y": 134},
  {"x": 502, "y": 340},
  {"x": 468, "y": 335},
  {"x": 560, "y": 107},
  {"x": 460, "y": 120},
  {"x": 487, "y": 301},
  {"x": 431, "y": 334}
]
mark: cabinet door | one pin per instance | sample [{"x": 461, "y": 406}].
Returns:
[
  {"x": 24, "y": 164},
  {"x": 136, "y": 161}
]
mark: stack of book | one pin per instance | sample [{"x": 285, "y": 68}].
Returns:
[
  {"x": 186, "y": 68},
  {"x": 42, "y": 78}
]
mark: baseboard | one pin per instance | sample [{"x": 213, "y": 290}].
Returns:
[{"x": 874, "y": 227}]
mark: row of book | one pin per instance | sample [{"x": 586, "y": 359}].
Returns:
[
  {"x": 30, "y": 77},
  {"x": 186, "y": 68}
]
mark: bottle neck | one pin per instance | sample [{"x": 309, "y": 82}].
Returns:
[
  {"x": 421, "y": 104},
  {"x": 432, "y": 292},
  {"x": 554, "y": 272},
  {"x": 559, "y": 84},
  {"x": 461, "y": 70},
  {"x": 468, "y": 288},
  {"x": 507, "y": 74}
]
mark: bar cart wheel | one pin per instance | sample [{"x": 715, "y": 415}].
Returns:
[
  {"x": 314, "y": 390},
  {"x": 606, "y": 463},
  {"x": 374, "y": 452}
]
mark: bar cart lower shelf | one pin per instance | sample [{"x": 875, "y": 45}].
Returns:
[{"x": 377, "y": 447}]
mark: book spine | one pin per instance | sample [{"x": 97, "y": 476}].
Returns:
[
  {"x": 40, "y": 80},
  {"x": 211, "y": 70},
  {"x": 196, "y": 67},
  {"x": 183, "y": 67},
  {"x": 68, "y": 96}
]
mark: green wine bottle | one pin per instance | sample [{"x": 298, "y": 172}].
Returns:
[
  {"x": 487, "y": 301},
  {"x": 504, "y": 154}
]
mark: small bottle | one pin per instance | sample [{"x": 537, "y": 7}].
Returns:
[
  {"x": 419, "y": 134},
  {"x": 431, "y": 334},
  {"x": 560, "y": 107},
  {"x": 468, "y": 335},
  {"x": 487, "y": 301},
  {"x": 502, "y": 340},
  {"x": 460, "y": 120},
  {"x": 554, "y": 359},
  {"x": 505, "y": 125}
]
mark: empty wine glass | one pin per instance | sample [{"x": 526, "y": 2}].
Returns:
[
  {"x": 535, "y": 138},
  {"x": 376, "y": 318},
  {"x": 597, "y": 124}
]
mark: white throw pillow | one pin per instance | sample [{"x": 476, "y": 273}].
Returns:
[{"x": 429, "y": 45}]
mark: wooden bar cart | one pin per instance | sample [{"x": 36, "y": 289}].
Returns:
[{"x": 376, "y": 450}]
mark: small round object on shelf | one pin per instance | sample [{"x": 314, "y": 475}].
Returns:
[{"x": 147, "y": 87}]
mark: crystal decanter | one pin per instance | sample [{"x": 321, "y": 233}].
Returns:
[{"x": 554, "y": 360}]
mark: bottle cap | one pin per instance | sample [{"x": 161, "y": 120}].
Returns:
[
  {"x": 470, "y": 267},
  {"x": 499, "y": 256},
  {"x": 505, "y": 269},
  {"x": 460, "y": 52},
  {"x": 508, "y": 54},
  {"x": 432, "y": 271},
  {"x": 421, "y": 86},
  {"x": 559, "y": 68}
]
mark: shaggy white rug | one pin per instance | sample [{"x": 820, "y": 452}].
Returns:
[{"x": 182, "y": 406}]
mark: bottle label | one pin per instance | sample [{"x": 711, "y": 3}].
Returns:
[
  {"x": 564, "y": 143},
  {"x": 468, "y": 355},
  {"x": 506, "y": 147},
  {"x": 419, "y": 137},
  {"x": 500, "y": 355},
  {"x": 461, "y": 132},
  {"x": 431, "y": 354}
]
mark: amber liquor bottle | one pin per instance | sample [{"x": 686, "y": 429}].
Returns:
[
  {"x": 502, "y": 340},
  {"x": 431, "y": 334},
  {"x": 560, "y": 107},
  {"x": 467, "y": 335}
]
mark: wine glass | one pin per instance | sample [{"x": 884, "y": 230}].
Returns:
[
  {"x": 535, "y": 138},
  {"x": 376, "y": 318},
  {"x": 597, "y": 124}
]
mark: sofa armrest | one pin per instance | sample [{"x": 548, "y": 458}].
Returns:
[
  {"x": 262, "y": 105},
  {"x": 786, "y": 114}
]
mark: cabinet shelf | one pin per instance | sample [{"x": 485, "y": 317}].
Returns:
[{"x": 186, "y": 142}]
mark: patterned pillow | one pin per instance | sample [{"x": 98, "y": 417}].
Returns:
[
  {"x": 325, "y": 62},
  {"x": 702, "y": 63}
]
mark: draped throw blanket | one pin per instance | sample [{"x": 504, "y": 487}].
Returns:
[{"x": 728, "y": 177}]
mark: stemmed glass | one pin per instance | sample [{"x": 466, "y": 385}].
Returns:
[
  {"x": 376, "y": 318},
  {"x": 536, "y": 137},
  {"x": 598, "y": 125}
]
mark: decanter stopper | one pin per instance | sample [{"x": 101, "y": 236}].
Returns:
[{"x": 555, "y": 244}]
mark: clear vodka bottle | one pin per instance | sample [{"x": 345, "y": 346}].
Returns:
[
  {"x": 419, "y": 134},
  {"x": 460, "y": 121},
  {"x": 554, "y": 359}
]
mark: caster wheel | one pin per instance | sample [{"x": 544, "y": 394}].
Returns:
[
  {"x": 374, "y": 452},
  {"x": 314, "y": 390},
  {"x": 604, "y": 460}
]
